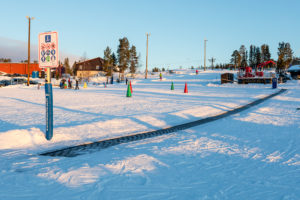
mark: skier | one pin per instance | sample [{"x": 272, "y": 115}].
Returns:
[
  {"x": 112, "y": 80},
  {"x": 61, "y": 84},
  {"x": 76, "y": 88},
  {"x": 69, "y": 83},
  {"x": 160, "y": 76}
]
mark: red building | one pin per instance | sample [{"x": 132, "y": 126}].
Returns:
[{"x": 18, "y": 68}]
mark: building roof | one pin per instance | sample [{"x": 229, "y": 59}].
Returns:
[
  {"x": 98, "y": 59},
  {"x": 294, "y": 68},
  {"x": 95, "y": 64}
]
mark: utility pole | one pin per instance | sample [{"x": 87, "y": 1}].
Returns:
[
  {"x": 147, "y": 34},
  {"x": 28, "y": 66},
  {"x": 205, "y": 54},
  {"x": 212, "y": 60}
]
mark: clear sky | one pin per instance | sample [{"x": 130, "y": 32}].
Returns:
[{"x": 177, "y": 27}]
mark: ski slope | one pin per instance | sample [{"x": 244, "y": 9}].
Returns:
[{"x": 252, "y": 155}]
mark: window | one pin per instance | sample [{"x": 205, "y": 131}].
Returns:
[
  {"x": 80, "y": 67},
  {"x": 97, "y": 67}
]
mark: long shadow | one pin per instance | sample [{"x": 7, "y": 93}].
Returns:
[
  {"x": 60, "y": 107},
  {"x": 6, "y": 126},
  {"x": 101, "y": 117},
  {"x": 102, "y": 144}
]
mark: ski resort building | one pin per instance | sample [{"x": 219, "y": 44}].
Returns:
[{"x": 89, "y": 68}]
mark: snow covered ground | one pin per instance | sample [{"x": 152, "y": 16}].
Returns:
[{"x": 252, "y": 155}]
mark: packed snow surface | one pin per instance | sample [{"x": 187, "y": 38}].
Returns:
[{"x": 254, "y": 154}]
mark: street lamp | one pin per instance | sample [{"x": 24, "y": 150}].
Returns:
[
  {"x": 205, "y": 40},
  {"x": 147, "y": 34},
  {"x": 28, "y": 60}
]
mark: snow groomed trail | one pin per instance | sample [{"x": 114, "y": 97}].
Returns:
[{"x": 77, "y": 150}]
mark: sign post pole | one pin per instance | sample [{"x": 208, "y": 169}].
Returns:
[
  {"x": 48, "y": 58},
  {"x": 49, "y": 106}
]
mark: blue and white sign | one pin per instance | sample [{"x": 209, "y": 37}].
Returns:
[
  {"x": 48, "y": 49},
  {"x": 47, "y": 38}
]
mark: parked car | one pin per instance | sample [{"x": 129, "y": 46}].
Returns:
[
  {"x": 283, "y": 77},
  {"x": 16, "y": 75},
  {"x": 16, "y": 81},
  {"x": 5, "y": 82},
  {"x": 33, "y": 82}
]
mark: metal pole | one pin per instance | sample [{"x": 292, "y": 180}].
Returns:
[
  {"x": 48, "y": 75},
  {"x": 49, "y": 106},
  {"x": 147, "y": 57},
  {"x": 28, "y": 67},
  {"x": 205, "y": 54}
]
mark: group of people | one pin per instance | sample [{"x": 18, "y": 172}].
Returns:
[{"x": 63, "y": 84}]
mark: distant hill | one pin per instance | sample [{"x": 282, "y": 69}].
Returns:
[{"x": 17, "y": 51}]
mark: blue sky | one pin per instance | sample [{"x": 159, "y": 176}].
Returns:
[{"x": 177, "y": 27}]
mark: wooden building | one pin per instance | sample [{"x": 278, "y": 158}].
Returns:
[{"x": 88, "y": 68}]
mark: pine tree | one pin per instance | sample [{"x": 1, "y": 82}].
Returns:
[
  {"x": 285, "y": 56},
  {"x": 257, "y": 57},
  {"x": 252, "y": 56},
  {"x": 74, "y": 69},
  {"x": 265, "y": 53},
  {"x": 123, "y": 54},
  {"x": 236, "y": 59},
  {"x": 5, "y": 60},
  {"x": 244, "y": 55},
  {"x": 155, "y": 69},
  {"x": 67, "y": 66},
  {"x": 133, "y": 60},
  {"x": 107, "y": 61},
  {"x": 114, "y": 59}
]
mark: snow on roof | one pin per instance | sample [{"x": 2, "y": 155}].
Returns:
[{"x": 294, "y": 68}]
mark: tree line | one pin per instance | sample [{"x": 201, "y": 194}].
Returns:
[
  {"x": 5, "y": 60},
  {"x": 241, "y": 58},
  {"x": 126, "y": 59}
]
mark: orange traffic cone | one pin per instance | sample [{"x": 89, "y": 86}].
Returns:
[
  {"x": 130, "y": 87},
  {"x": 185, "y": 88}
]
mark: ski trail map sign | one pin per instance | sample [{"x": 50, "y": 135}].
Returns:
[
  {"x": 48, "y": 49},
  {"x": 48, "y": 58}
]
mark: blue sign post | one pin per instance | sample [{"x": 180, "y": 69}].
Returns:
[
  {"x": 49, "y": 111},
  {"x": 274, "y": 83},
  {"x": 48, "y": 58}
]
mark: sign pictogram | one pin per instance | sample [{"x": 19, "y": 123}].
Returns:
[
  {"x": 43, "y": 46},
  {"x": 47, "y": 38}
]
